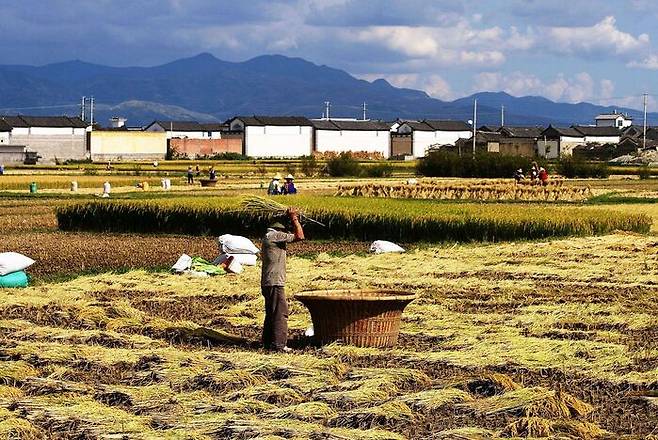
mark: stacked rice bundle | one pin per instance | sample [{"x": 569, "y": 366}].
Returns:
[{"x": 12, "y": 269}]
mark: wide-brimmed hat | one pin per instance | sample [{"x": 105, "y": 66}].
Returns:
[
  {"x": 290, "y": 177},
  {"x": 277, "y": 176}
]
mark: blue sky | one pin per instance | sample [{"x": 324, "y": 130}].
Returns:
[{"x": 599, "y": 51}]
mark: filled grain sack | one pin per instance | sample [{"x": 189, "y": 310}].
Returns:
[
  {"x": 14, "y": 279},
  {"x": 236, "y": 244},
  {"x": 14, "y": 262},
  {"x": 384, "y": 247}
]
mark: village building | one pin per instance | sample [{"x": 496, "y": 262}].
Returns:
[
  {"x": 274, "y": 136},
  {"x": 185, "y": 129},
  {"x": 429, "y": 134},
  {"x": 352, "y": 136},
  {"x": 558, "y": 141},
  {"x": 5, "y": 132},
  {"x": 52, "y": 138},
  {"x": 485, "y": 141},
  {"x": 616, "y": 120},
  {"x": 519, "y": 141},
  {"x": 599, "y": 135}
]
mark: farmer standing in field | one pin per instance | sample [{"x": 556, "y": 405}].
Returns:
[{"x": 273, "y": 280}]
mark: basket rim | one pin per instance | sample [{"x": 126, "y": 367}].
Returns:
[{"x": 348, "y": 295}]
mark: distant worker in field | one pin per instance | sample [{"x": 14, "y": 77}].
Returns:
[
  {"x": 212, "y": 174},
  {"x": 518, "y": 175},
  {"x": 190, "y": 176},
  {"x": 289, "y": 186},
  {"x": 2, "y": 169},
  {"x": 534, "y": 173},
  {"x": 198, "y": 170},
  {"x": 274, "y": 188},
  {"x": 273, "y": 281},
  {"x": 543, "y": 176}
]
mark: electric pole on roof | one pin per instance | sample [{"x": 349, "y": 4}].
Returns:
[
  {"x": 91, "y": 110},
  {"x": 475, "y": 122},
  {"x": 327, "y": 105},
  {"x": 365, "y": 106},
  {"x": 644, "y": 130},
  {"x": 502, "y": 115}
]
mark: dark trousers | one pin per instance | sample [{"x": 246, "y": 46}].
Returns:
[
  {"x": 190, "y": 179},
  {"x": 275, "y": 327}
]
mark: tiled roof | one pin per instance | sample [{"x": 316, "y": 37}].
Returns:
[
  {"x": 353, "y": 125},
  {"x": 179, "y": 125},
  {"x": 44, "y": 121},
  {"x": 522, "y": 132},
  {"x": 612, "y": 116},
  {"x": 216, "y": 126},
  {"x": 4, "y": 126},
  {"x": 562, "y": 131},
  {"x": 275, "y": 120},
  {"x": 590, "y": 130},
  {"x": 438, "y": 125}
]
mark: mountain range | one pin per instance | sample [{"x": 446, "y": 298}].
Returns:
[{"x": 205, "y": 88}]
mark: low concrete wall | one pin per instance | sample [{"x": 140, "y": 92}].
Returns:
[
  {"x": 11, "y": 154},
  {"x": 193, "y": 148},
  {"x": 53, "y": 146}
]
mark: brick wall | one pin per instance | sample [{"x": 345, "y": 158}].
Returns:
[{"x": 206, "y": 147}]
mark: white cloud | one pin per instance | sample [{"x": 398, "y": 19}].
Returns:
[
  {"x": 650, "y": 62},
  {"x": 602, "y": 38},
  {"x": 578, "y": 88}
]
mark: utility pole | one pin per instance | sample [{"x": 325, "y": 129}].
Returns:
[
  {"x": 475, "y": 122},
  {"x": 82, "y": 108},
  {"x": 327, "y": 105},
  {"x": 365, "y": 106},
  {"x": 502, "y": 115},
  {"x": 91, "y": 110},
  {"x": 644, "y": 131}
]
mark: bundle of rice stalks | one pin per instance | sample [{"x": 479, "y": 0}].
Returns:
[
  {"x": 532, "y": 402},
  {"x": 37, "y": 386},
  {"x": 540, "y": 427},
  {"x": 317, "y": 412},
  {"x": 389, "y": 414},
  {"x": 223, "y": 382},
  {"x": 270, "y": 208},
  {"x": 269, "y": 393},
  {"x": 15, "y": 428},
  {"x": 402, "y": 378},
  {"x": 9, "y": 393},
  {"x": 14, "y": 372},
  {"x": 432, "y": 400},
  {"x": 242, "y": 406}
]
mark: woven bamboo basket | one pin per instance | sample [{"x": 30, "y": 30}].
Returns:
[{"x": 365, "y": 318}]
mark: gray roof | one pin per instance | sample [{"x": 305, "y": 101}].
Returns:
[
  {"x": 274, "y": 120},
  {"x": 4, "y": 126},
  {"x": 418, "y": 125},
  {"x": 443, "y": 125},
  {"x": 612, "y": 116},
  {"x": 562, "y": 131},
  {"x": 589, "y": 130},
  {"x": 522, "y": 132},
  {"x": 178, "y": 125},
  {"x": 352, "y": 125},
  {"x": 215, "y": 126},
  {"x": 44, "y": 121}
]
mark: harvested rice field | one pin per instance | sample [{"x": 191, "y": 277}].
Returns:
[{"x": 553, "y": 338}]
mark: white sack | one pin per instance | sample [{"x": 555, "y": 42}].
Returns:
[
  {"x": 183, "y": 263},
  {"x": 235, "y": 267},
  {"x": 236, "y": 244},
  {"x": 11, "y": 262},
  {"x": 384, "y": 247},
  {"x": 243, "y": 259}
]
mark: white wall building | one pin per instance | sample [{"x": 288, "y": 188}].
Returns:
[
  {"x": 429, "y": 133},
  {"x": 52, "y": 137},
  {"x": 5, "y": 132},
  {"x": 614, "y": 120},
  {"x": 274, "y": 136},
  {"x": 599, "y": 135},
  {"x": 352, "y": 136},
  {"x": 556, "y": 141}
]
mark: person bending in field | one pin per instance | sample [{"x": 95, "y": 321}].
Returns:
[{"x": 273, "y": 281}]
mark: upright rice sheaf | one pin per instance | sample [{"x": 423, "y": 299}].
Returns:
[{"x": 353, "y": 218}]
